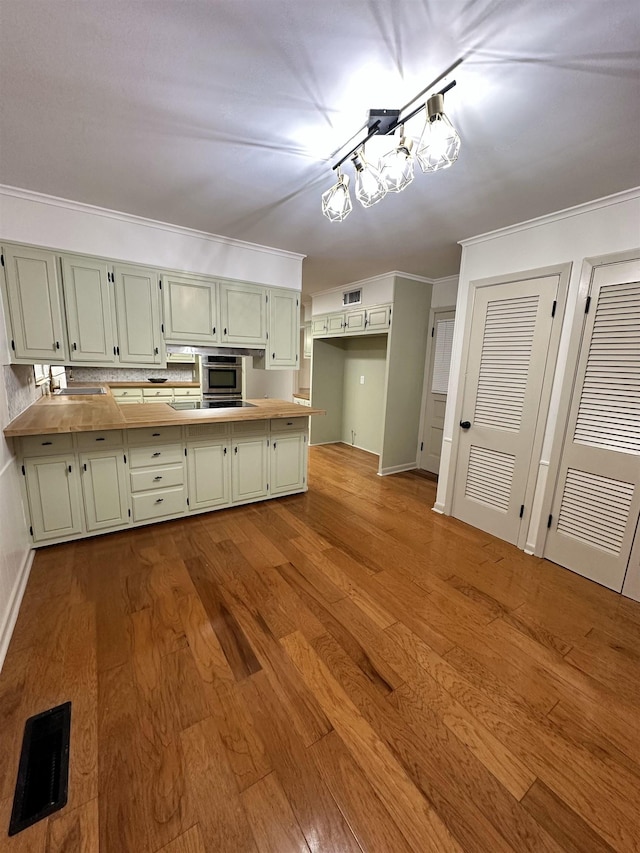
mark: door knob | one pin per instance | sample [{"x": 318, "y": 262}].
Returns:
[{"x": 465, "y": 424}]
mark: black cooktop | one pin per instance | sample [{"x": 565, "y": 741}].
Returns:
[{"x": 212, "y": 404}]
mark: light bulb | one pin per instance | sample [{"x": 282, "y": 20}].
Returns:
[
  {"x": 397, "y": 166},
  {"x": 336, "y": 202},
  {"x": 370, "y": 187},
  {"x": 439, "y": 144}
]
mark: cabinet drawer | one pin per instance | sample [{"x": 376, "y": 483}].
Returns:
[
  {"x": 99, "y": 440},
  {"x": 180, "y": 398},
  {"x": 157, "y": 478},
  {"x": 286, "y": 424},
  {"x": 162, "y": 454},
  {"x": 127, "y": 395},
  {"x": 159, "y": 504},
  {"x": 187, "y": 392},
  {"x": 247, "y": 427},
  {"x": 154, "y": 393},
  {"x": 154, "y": 435},
  {"x": 207, "y": 431},
  {"x": 40, "y": 445}
]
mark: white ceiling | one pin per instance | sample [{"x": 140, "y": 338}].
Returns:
[{"x": 223, "y": 115}]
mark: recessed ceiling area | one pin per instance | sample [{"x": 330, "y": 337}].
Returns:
[{"x": 223, "y": 116}]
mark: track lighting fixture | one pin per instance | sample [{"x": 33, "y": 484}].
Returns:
[{"x": 437, "y": 149}]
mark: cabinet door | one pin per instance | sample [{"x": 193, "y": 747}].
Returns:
[
  {"x": 190, "y": 309},
  {"x": 378, "y": 318},
  {"x": 249, "y": 469},
  {"x": 54, "y": 497},
  {"x": 287, "y": 463},
  {"x": 243, "y": 311},
  {"x": 35, "y": 305},
  {"x": 308, "y": 340},
  {"x": 284, "y": 329},
  {"x": 138, "y": 312},
  {"x": 88, "y": 301},
  {"x": 335, "y": 324},
  {"x": 355, "y": 321},
  {"x": 104, "y": 489},
  {"x": 319, "y": 326},
  {"x": 208, "y": 475}
]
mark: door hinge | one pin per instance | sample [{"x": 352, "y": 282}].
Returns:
[
  {"x": 267, "y": 486},
  {"x": 185, "y": 451},
  {"x": 162, "y": 327},
  {"x": 125, "y": 458},
  {"x": 553, "y": 308},
  {"x": 2, "y": 260},
  {"x": 266, "y": 298},
  {"x": 31, "y": 530},
  {"x": 24, "y": 473},
  {"x": 129, "y": 511},
  {"x": 521, "y": 510},
  {"x": 433, "y": 330},
  {"x": 297, "y": 303},
  {"x": 267, "y": 335},
  {"x": 160, "y": 284},
  {"x": 187, "y": 501},
  {"x": 549, "y": 520},
  {"x": 13, "y": 345},
  {"x": 267, "y": 442},
  {"x": 84, "y": 466},
  {"x": 587, "y": 305},
  {"x": 421, "y": 446}
]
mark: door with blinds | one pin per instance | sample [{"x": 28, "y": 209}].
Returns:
[
  {"x": 436, "y": 392},
  {"x": 595, "y": 510},
  {"x": 508, "y": 356}
]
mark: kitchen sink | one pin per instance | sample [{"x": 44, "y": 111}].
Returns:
[{"x": 79, "y": 391}]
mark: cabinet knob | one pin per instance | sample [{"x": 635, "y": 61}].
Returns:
[
  {"x": 156, "y": 350},
  {"x": 214, "y": 330},
  {"x": 57, "y": 344},
  {"x": 75, "y": 346},
  {"x": 225, "y": 331}
]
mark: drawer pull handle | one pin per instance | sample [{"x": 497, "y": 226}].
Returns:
[
  {"x": 157, "y": 478},
  {"x": 157, "y": 453},
  {"x": 155, "y": 435},
  {"x": 159, "y": 500},
  {"x": 289, "y": 423},
  {"x": 102, "y": 438},
  {"x": 46, "y": 443}
]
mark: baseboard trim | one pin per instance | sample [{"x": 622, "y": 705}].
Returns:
[
  {"x": 11, "y": 616},
  {"x": 439, "y": 508},
  {"x": 397, "y": 469}
]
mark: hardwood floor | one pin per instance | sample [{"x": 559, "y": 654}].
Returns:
[{"x": 335, "y": 672}]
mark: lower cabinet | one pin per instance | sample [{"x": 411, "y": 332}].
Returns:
[
  {"x": 288, "y": 469},
  {"x": 53, "y": 493},
  {"x": 208, "y": 474},
  {"x": 104, "y": 489},
  {"x": 249, "y": 468},
  {"x": 152, "y": 474}
]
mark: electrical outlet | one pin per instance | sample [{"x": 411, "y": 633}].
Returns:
[{"x": 362, "y": 380}]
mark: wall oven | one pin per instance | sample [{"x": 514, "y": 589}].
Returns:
[{"x": 221, "y": 376}]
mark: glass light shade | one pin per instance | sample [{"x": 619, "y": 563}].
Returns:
[
  {"x": 397, "y": 167},
  {"x": 370, "y": 187},
  {"x": 336, "y": 202},
  {"x": 439, "y": 144}
]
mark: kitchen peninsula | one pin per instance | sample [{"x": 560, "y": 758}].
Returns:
[{"x": 90, "y": 465}]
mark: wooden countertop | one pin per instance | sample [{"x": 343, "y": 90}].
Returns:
[
  {"x": 139, "y": 384},
  {"x": 303, "y": 393},
  {"x": 101, "y": 412}
]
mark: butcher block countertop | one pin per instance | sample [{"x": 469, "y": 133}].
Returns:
[
  {"x": 101, "y": 412},
  {"x": 141, "y": 384}
]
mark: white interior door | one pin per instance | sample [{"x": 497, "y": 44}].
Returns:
[
  {"x": 509, "y": 343},
  {"x": 597, "y": 500},
  {"x": 437, "y": 380}
]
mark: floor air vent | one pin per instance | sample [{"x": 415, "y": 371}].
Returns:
[{"x": 43, "y": 774}]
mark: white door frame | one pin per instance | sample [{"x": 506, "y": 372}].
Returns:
[
  {"x": 427, "y": 362},
  {"x": 563, "y": 271},
  {"x": 537, "y": 538}
]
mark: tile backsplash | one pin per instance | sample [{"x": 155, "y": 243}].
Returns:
[
  {"x": 175, "y": 373},
  {"x": 21, "y": 389}
]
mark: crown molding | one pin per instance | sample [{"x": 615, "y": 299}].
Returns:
[
  {"x": 368, "y": 280},
  {"x": 132, "y": 219},
  {"x": 567, "y": 213}
]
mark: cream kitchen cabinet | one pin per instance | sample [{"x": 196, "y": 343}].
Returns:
[
  {"x": 356, "y": 321},
  {"x": 284, "y": 329},
  {"x": 243, "y": 314},
  {"x": 53, "y": 496},
  {"x": 288, "y": 470},
  {"x": 378, "y": 318},
  {"x": 138, "y": 313},
  {"x": 336, "y": 323},
  {"x": 127, "y": 395},
  {"x": 308, "y": 340},
  {"x": 249, "y": 468},
  {"x": 319, "y": 326},
  {"x": 35, "y": 305},
  {"x": 89, "y": 307},
  {"x": 209, "y": 474},
  {"x": 190, "y": 309},
  {"x": 104, "y": 489}
]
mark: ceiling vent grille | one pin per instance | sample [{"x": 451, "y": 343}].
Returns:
[{"x": 352, "y": 297}]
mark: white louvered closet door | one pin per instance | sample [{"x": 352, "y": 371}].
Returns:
[
  {"x": 509, "y": 342},
  {"x": 597, "y": 501}
]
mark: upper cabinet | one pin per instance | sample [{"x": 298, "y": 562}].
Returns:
[
  {"x": 243, "y": 314},
  {"x": 190, "y": 309},
  {"x": 357, "y": 321},
  {"x": 35, "y": 305},
  {"x": 284, "y": 334},
  {"x": 308, "y": 340},
  {"x": 89, "y": 310},
  {"x": 138, "y": 312}
]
